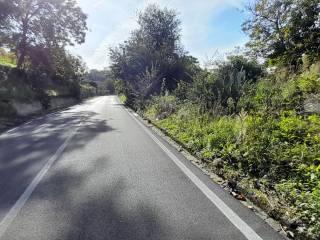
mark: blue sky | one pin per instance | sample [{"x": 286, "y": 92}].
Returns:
[{"x": 210, "y": 28}]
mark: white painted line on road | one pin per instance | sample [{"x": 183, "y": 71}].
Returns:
[
  {"x": 244, "y": 228},
  {"x": 10, "y": 216},
  {"x": 11, "y": 130}
]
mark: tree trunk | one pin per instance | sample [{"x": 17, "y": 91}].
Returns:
[
  {"x": 21, "y": 48},
  {"x": 21, "y": 58}
]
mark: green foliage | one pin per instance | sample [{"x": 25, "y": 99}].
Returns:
[
  {"x": 162, "y": 107},
  {"x": 272, "y": 141},
  {"x": 220, "y": 90},
  {"x": 38, "y": 32},
  {"x": 210, "y": 138},
  {"x": 14, "y": 87},
  {"x": 182, "y": 91},
  {"x": 122, "y": 98},
  {"x": 221, "y": 136},
  {"x": 87, "y": 89},
  {"x": 152, "y": 56},
  {"x": 309, "y": 82},
  {"x": 35, "y": 29},
  {"x": 7, "y": 59},
  {"x": 284, "y": 31},
  {"x": 313, "y": 211}
]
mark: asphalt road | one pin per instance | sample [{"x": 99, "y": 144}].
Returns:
[{"x": 94, "y": 172}]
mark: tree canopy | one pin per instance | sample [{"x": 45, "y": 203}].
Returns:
[
  {"x": 152, "y": 57},
  {"x": 284, "y": 30},
  {"x": 40, "y": 26}
]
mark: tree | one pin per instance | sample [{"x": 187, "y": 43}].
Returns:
[
  {"x": 42, "y": 24},
  {"x": 284, "y": 30},
  {"x": 159, "y": 28},
  {"x": 152, "y": 55},
  {"x": 70, "y": 71},
  {"x": 5, "y": 10}
]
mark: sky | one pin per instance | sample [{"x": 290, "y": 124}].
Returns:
[{"x": 210, "y": 28}]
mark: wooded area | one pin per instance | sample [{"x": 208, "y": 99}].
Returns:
[{"x": 35, "y": 64}]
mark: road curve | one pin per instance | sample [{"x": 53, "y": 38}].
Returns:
[{"x": 94, "y": 172}]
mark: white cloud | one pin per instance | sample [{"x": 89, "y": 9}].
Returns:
[{"x": 120, "y": 19}]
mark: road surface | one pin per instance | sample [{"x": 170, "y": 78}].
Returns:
[{"x": 94, "y": 172}]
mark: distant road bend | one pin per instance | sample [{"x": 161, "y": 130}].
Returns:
[{"x": 95, "y": 171}]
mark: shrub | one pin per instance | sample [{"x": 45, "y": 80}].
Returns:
[
  {"x": 265, "y": 135},
  {"x": 162, "y": 107},
  {"x": 309, "y": 82}
]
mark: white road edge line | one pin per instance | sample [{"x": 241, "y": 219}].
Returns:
[
  {"x": 244, "y": 228},
  {"x": 11, "y": 130},
  {"x": 29, "y": 122},
  {"x": 14, "y": 211}
]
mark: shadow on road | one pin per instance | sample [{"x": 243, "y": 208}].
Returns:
[
  {"x": 75, "y": 200},
  {"x": 24, "y": 152},
  {"x": 75, "y": 204},
  {"x": 104, "y": 218}
]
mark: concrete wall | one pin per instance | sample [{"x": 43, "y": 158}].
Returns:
[
  {"x": 57, "y": 103},
  {"x": 25, "y": 109}
]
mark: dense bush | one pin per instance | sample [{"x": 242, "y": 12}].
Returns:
[
  {"x": 271, "y": 138},
  {"x": 163, "y": 106}
]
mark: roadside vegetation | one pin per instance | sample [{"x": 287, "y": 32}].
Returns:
[
  {"x": 35, "y": 64},
  {"x": 7, "y": 59},
  {"x": 253, "y": 118}
]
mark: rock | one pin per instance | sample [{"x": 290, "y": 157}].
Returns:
[{"x": 312, "y": 104}]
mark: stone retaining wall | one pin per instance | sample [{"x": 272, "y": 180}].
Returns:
[{"x": 35, "y": 107}]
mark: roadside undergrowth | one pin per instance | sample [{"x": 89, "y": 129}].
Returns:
[{"x": 269, "y": 153}]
